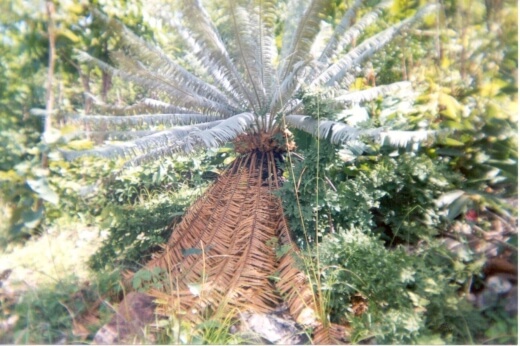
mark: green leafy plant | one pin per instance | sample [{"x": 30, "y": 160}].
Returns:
[
  {"x": 394, "y": 196},
  {"x": 396, "y": 296},
  {"x": 144, "y": 279},
  {"x": 134, "y": 232}
]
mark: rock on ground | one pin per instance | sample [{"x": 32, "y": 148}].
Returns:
[{"x": 135, "y": 311}]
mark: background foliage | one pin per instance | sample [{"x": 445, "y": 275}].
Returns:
[{"x": 372, "y": 219}]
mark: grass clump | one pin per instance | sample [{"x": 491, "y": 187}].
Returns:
[{"x": 67, "y": 311}]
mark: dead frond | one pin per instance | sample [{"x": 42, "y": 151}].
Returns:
[{"x": 222, "y": 256}]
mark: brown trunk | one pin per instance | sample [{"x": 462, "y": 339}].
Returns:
[{"x": 226, "y": 247}]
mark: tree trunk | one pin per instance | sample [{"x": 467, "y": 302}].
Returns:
[
  {"x": 50, "y": 83},
  {"x": 50, "y": 78},
  {"x": 223, "y": 256}
]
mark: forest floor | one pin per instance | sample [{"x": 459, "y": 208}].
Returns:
[{"x": 38, "y": 270}]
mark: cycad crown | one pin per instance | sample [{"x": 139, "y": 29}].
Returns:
[
  {"x": 243, "y": 90},
  {"x": 242, "y": 84}
]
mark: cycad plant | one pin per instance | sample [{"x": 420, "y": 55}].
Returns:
[{"x": 233, "y": 244}]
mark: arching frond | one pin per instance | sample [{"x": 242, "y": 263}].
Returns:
[
  {"x": 338, "y": 132},
  {"x": 137, "y": 72},
  {"x": 327, "y": 129},
  {"x": 247, "y": 50},
  {"x": 224, "y": 132},
  {"x": 216, "y": 136},
  {"x": 141, "y": 119},
  {"x": 402, "y": 139},
  {"x": 159, "y": 61},
  {"x": 284, "y": 92},
  {"x": 303, "y": 38},
  {"x": 263, "y": 20},
  {"x": 112, "y": 135},
  {"x": 339, "y": 32},
  {"x": 337, "y": 71},
  {"x": 345, "y": 33},
  {"x": 142, "y": 145},
  {"x": 214, "y": 52},
  {"x": 181, "y": 138},
  {"x": 146, "y": 105},
  {"x": 198, "y": 60},
  {"x": 291, "y": 17}
]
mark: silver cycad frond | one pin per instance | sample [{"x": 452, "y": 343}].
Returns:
[
  {"x": 338, "y": 133},
  {"x": 237, "y": 81}
]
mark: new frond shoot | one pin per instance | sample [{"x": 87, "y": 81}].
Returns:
[{"x": 233, "y": 84}]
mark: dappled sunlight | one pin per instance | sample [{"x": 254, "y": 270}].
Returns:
[{"x": 51, "y": 257}]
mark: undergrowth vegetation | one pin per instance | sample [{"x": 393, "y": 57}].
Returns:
[
  {"x": 382, "y": 262},
  {"x": 69, "y": 310},
  {"x": 397, "y": 296}
]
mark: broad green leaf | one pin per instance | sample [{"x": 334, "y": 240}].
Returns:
[
  {"x": 143, "y": 275},
  {"x": 136, "y": 282},
  {"x": 452, "y": 106},
  {"x": 42, "y": 188},
  {"x": 452, "y": 142},
  {"x": 156, "y": 271}
]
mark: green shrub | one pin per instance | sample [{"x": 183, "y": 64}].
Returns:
[
  {"x": 393, "y": 196},
  {"x": 135, "y": 231},
  {"x": 134, "y": 206},
  {"x": 409, "y": 296}
]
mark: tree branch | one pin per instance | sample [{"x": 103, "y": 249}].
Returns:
[{"x": 50, "y": 77}]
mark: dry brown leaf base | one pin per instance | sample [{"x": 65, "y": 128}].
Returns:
[{"x": 221, "y": 259}]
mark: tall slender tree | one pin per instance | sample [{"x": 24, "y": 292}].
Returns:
[{"x": 238, "y": 87}]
